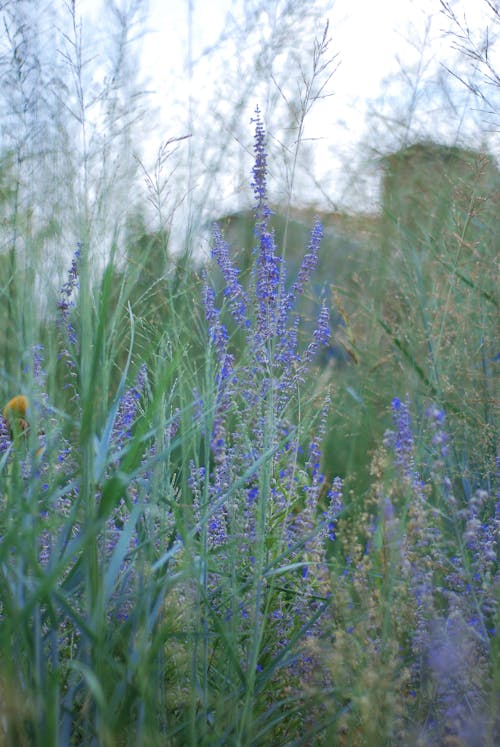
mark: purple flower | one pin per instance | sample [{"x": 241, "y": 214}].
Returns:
[
  {"x": 233, "y": 289},
  {"x": 322, "y": 331},
  {"x": 335, "y": 506},
  {"x": 259, "y": 171},
  {"x": 218, "y": 338},
  {"x": 65, "y": 302},
  {"x": 64, "y": 323},
  {"x": 5, "y": 439},
  {"x": 251, "y": 423},
  {"x": 455, "y": 660},
  {"x": 440, "y": 437},
  {"x": 268, "y": 286},
  {"x": 400, "y": 440},
  {"x": 127, "y": 409},
  {"x": 309, "y": 262},
  {"x": 321, "y": 335}
]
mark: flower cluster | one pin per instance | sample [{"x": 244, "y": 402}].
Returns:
[
  {"x": 260, "y": 484},
  {"x": 400, "y": 440},
  {"x": 5, "y": 440},
  {"x": 416, "y": 596},
  {"x": 454, "y": 599},
  {"x": 128, "y": 409},
  {"x": 69, "y": 336},
  {"x": 65, "y": 302}
]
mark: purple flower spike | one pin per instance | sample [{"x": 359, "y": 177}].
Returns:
[
  {"x": 5, "y": 440},
  {"x": 401, "y": 439},
  {"x": 259, "y": 171},
  {"x": 310, "y": 261},
  {"x": 65, "y": 302},
  {"x": 233, "y": 289},
  {"x": 64, "y": 306},
  {"x": 127, "y": 409}
]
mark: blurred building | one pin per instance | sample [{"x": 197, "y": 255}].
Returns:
[{"x": 429, "y": 189}]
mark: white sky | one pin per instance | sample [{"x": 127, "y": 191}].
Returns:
[{"x": 369, "y": 37}]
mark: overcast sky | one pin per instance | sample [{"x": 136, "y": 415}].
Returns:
[
  {"x": 369, "y": 37},
  {"x": 187, "y": 52}
]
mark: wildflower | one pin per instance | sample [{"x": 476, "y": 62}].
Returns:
[
  {"x": 64, "y": 305},
  {"x": 218, "y": 337},
  {"x": 14, "y": 413},
  {"x": 335, "y": 505},
  {"x": 233, "y": 289},
  {"x": 251, "y": 435},
  {"x": 259, "y": 171},
  {"x": 5, "y": 440},
  {"x": 127, "y": 409},
  {"x": 309, "y": 262},
  {"x": 401, "y": 441},
  {"x": 322, "y": 331}
]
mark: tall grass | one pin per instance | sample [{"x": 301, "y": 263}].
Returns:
[
  {"x": 175, "y": 560},
  {"x": 176, "y": 569}
]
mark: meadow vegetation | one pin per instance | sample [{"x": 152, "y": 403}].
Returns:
[{"x": 252, "y": 500}]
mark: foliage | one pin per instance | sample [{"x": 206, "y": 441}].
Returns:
[
  {"x": 176, "y": 568},
  {"x": 233, "y": 515},
  {"x": 214, "y": 560}
]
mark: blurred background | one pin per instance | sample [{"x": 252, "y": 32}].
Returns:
[{"x": 389, "y": 74}]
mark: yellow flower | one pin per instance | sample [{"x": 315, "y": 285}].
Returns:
[
  {"x": 17, "y": 406},
  {"x": 14, "y": 413}
]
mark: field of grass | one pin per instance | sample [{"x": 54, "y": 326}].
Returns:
[
  {"x": 188, "y": 555},
  {"x": 253, "y": 498}
]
